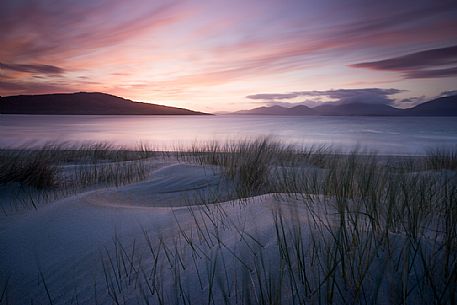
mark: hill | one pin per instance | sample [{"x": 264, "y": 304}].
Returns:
[
  {"x": 443, "y": 106},
  {"x": 84, "y": 103},
  {"x": 358, "y": 109},
  {"x": 278, "y": 110}
]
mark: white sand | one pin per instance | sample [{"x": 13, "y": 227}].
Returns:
[
  {"x": 92, "y": 248},
  {"x": 67, "y": 238}
]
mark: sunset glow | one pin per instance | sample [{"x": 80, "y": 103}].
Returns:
[{"x": 228, "y": 55}]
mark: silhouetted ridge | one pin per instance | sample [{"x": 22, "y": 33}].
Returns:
[
  {"x": 83, "y": 103},
  {"x": 278, "y": 110},
  {"x": 358, "y": 109},
  {"x": 443, "y": 106}
]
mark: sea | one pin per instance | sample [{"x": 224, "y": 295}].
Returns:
[{"x": 384, "y": 135}]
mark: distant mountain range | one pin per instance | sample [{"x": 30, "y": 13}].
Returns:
[
  {"x": 278, "y": 110},
  {"x": 97, "y": 103},
  {"x": 84, "y": 103},
  {"x": 443, "y": 106}
]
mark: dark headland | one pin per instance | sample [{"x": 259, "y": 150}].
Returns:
[{"x": 84, "y": 103}]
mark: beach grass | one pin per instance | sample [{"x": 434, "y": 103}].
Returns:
[
  {"x": 352, "y": 228},
  {"x": 369, "y": 230},
  {"x": 36, "y": 175}
]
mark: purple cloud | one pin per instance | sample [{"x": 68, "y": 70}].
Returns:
[
  {"x": 273, "y": 96},
  {"x": 44, "y": 30},
  {"x": 411, "y": 102},
  {"x": 308, "y": 102},
  {"x": 39, "y": 69},
  {"x": 418, "y": 65},
  {"x": 212, "y": 43},
  {"x": 339, "y": 96},
  {"x": 32, "y": 87},
  {"x": 432, "y": 73}
]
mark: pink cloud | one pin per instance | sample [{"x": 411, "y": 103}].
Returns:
[{"x": 170, "y": 48}]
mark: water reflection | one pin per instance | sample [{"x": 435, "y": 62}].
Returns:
[{"x": 387, "y": 135}]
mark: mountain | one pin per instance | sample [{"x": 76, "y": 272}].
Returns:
[
  {"x": 443, "y": 106},
  {"x": 278, "y": 110},
  {"x": 327, "y": 109},
  {"x": 83, "y": 103},
  {"x": 358, "y": 109}
]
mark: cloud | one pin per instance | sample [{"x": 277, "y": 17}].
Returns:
[
  {"x": 189, "y": 47},
  {"x": 300, "y": 49},
  {"x": 400, "y": 21},
  {"x": 273, "y": 96},
  {"x": 44, "y": 30},
  {"x": 39, "y": 69},
  {"x": 8, "y": 87},
  {"x": 450, "y": 72},
  {"x": 307, "y": 102},
  {"x": 84, "y": 37},
  {"x": 420, "y": 64},
  {"x": 339, "y": 96},
  {"x": 411, "y": 101}
]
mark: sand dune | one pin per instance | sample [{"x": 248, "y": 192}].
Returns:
[
  {"x": 65, "y": 240},
  {"x": 170, "y": 186},
  {"x": 179, "y": 236}
]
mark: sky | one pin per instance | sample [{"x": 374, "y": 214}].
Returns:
[{"x": 229, "y": 55}]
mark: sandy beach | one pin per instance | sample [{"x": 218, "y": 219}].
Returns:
[
  {"x": 66, "y": 240},
  {"x": 187, "y": 233}
]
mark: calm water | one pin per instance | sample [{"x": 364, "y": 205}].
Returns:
[{"x": 387, "y": 135}]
